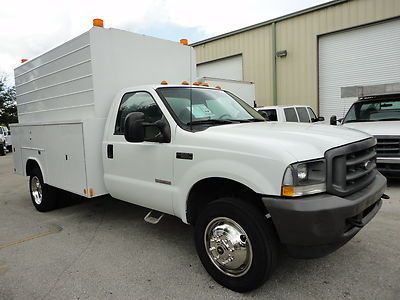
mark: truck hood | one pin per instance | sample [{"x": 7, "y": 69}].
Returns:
[
  {"x": 376, "y": 128},
  {"x": 302, "y": 141}
]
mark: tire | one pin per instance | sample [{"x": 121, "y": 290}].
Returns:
[
  {"x": 43, "y": 196},
  {"x": 9, "y": 148},
  {"x": 2, "y": 151},
  {"x": 255, "y": 256}
]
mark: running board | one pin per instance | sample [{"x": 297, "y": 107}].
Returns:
[{"x": 153, "y": 217}]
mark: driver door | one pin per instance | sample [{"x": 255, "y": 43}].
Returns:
[{"x": 139, "y": 173}]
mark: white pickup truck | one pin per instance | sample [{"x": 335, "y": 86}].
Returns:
[
  {"x": 289, "y": 113},
  {"x": 90, "y": 124},
  {"x": 378, "y": 115}
]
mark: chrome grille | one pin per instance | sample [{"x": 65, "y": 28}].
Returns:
[
  {"x": 388, "y": 146},
  {"x": 351, "y": 167}
]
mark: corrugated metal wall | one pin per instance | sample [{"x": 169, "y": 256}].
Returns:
[{"x": 297, "y": 74}]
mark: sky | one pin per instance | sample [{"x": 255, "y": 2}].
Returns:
[{"x": 30, "y": 28}]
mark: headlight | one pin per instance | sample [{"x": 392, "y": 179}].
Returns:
[{"x": 304, "y": 178}]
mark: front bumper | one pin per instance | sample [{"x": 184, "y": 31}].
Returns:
[{"x": 315, "y": 226}]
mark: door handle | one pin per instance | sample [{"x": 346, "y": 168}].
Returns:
[{"x": 110, "y": 151}]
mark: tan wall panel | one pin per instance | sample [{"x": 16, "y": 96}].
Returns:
[
  {"x": 255, "y": 46},
  {"x": 297, "y": 74}
]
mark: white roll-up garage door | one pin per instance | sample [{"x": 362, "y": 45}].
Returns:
[
  {"x": 364, "y": 56},
  {"x": 225, "y": 68}
]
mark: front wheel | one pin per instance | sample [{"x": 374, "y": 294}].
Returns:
[
  {"x": 236, "y": 244},
  {"x": 42, "y": 195}
]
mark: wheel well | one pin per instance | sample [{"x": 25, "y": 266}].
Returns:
[
  {"x": 30, "y": 165},
  {"x": 209, "y": 189}
]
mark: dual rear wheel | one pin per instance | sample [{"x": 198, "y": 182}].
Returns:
[{"x": 43, "y": 196}]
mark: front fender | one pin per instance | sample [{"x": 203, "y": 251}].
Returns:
[{"x": 187, "y": 175}]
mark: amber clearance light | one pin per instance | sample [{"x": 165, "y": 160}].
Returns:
[{"x": 98, "y": 23}]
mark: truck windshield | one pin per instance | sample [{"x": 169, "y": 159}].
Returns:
[
  {"x": 374, "y": 110},
  {"x": 208, "y": 107}
]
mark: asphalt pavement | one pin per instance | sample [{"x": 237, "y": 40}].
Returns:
[{"x": 102, "y": 249}]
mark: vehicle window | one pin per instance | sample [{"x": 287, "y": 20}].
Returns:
[
  {"x": 290, "y": 114},
  {"x": 270, "y": 113},
  {"x": 311, "y": 112},
  {"x": 374, "y": 110},
  {"x": 1, "y": 130},
  {"x": 137, "y": 102},
  {"x": 303, "y": 115},
  {"x": 206, "y": 107}
]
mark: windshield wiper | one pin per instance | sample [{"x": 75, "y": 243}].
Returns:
[
  {"x": 210, "y": 121},
  {"x": 389, "y": 119},
  {"x": 378, "y": 120},
  {"x": 360, "y": 120},
  {"x": 256, "y": 120},
  {"x": 246, "y": 120}
]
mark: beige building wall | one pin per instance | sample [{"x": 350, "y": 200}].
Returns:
[
  {"x": 297, "y": 73},
  {"x": 255, "y": 47}
]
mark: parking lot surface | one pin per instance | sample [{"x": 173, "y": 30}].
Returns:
[{"x": 102, "y": 249}]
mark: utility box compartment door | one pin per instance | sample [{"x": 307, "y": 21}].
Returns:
[{"x": 65, "y": 157}]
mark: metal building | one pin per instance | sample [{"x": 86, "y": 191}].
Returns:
[{"x": 307, "y": 57}]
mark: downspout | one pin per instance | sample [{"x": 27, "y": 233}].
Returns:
[{"x": 274, "y": 77}]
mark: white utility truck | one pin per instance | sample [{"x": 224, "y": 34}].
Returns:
[{"x": 91, "y": 124}]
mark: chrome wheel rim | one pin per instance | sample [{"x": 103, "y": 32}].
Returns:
[
  {"x": 228, "y": 246},
  {"x": 36, "y": 190}
]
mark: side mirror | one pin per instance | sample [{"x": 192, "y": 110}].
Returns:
[
  {"x": 137, "y": 131},
  {"x": 333, "y": 120},
  {"x": 134, "y": 129},
  {"x": 319, "y": 119}
]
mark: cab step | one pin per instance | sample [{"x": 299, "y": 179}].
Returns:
[{"x": 153, "y": 217}]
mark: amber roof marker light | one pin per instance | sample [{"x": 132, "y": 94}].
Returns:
[
  {"x": 184, "y": 42},
  {"x": 98, "y": 23}
]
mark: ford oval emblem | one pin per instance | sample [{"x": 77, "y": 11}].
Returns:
[{"x": 367, "y": 164}]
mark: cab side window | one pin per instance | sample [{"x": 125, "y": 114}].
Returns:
[
  {"x": 270, "y": 114},
  {"x": 290, "y": 115},
  {"x": 303, "y": 114},
  {"x": 136, "y": 102},
  {"x": 312, "y": 114}
]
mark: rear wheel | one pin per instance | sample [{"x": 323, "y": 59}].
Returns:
[
  {"x": 43, "y": 196},
  {"x": 2, "y": 151},
  {"x": 236, "y": 244}
]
